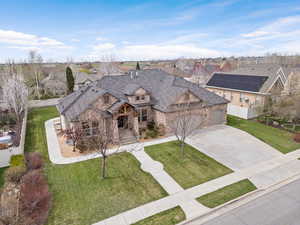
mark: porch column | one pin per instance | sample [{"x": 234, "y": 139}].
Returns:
[
  {"x": 115, "y": 131},
  {"x": 136, "y": 127}
]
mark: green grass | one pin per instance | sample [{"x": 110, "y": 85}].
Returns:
[
  {"x": 226, "y": 193},
  {"x": 2, "y": 176},
  {"x": 281, "y": 140},
  {"x": 80, "y": 197},
  {"x": 168, "y": 217},
  {"x": 193, "y": 169}
]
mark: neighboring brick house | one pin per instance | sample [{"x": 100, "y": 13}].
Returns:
[
  {"x": 129, "y": 102},
  {"x": 248, "y": 87}
]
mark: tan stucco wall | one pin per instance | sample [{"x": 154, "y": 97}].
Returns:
[
  {"x": 212, "y": 115},
  {"x": 240, "y": 98},
  {"x": 192, "y": 98}
]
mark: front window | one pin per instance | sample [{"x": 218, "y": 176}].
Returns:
[
  {"x": 106, "y": 99},
  {"x": 137, "y": 98},
  {"x": 143, "y": 115}
]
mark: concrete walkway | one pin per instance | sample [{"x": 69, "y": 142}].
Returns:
[
  {"x": 56, "y": 157},
  {"x": 186, "y": 198},
  {"x": 43, "y": 103},
  {"x": 156, "y": 169},
  {"x": 263, "y": 173}
]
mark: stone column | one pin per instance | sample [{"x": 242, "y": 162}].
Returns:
[
  {"x": 136, "y": 126},
  {"x": 115, "y": 131}
]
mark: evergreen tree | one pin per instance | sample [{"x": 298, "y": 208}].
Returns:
[
  {"x": 70, "y": 79},
  {"x": 138, "y": 66}
]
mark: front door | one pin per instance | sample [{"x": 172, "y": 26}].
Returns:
[{"x": 123, "y": 122}]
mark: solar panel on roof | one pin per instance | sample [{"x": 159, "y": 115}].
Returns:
[{"x": 238, "y": 82}]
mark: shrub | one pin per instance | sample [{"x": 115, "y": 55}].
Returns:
[
  {"x": 161, "y": 130},
  {"x": 297, "y": 137},
  {"x": 35, "y": 198},
  {"x": 152, "y": 133},
  {"x": 82, "y": 146},
  {"x": 14, "y": 174},
  {"x": 151, "y": 125},
  {"x": 17, "y": 160},
  {"x": 34, "y": 160}
]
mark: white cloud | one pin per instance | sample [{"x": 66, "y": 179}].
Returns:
[
  {"x": 152, "y": 51},
  {"x": 104, "y": 46},
  {"x": 100, "y": 39},
  {"x": 75, "y": 40},
  {"x": 29, "y": 40},
  {"x": 257, "y": 33}
]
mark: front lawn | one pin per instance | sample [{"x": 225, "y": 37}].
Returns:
[
  {"x": 193, "y": 169},
  {"x": 80, "y": 197},
  {"x": 282, "y": 140},
  {"x": 169, "y": 217},
  {"x": 2, "y": 176},
  {"x": 226, "y": 193}
]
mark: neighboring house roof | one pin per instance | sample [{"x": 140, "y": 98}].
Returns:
[
  {"x": 164, "y": 89},
  {"x": 81, "y": 77},
  {"x": 239, "y": 82},
  {"x": 253, "y": 72}
]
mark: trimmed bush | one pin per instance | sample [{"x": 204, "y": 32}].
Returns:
[
  {"x": 297, "y": 137},
  {"x": 34, "y": 160},
  {"x": 17, "y": 160},
  {"x": 14, "y": 174},
  {"x": 35, "y": 198},
  {"x": 161, "y": 130},
  {"x": 152, "y": 133}
]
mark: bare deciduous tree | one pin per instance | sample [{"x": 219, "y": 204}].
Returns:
[
  {"x": 74, "y": 133},
  {"x": 101, "y": 140},
  {"x": 108, "y": 65},
  {"x": 185, "y": 123},
  {"x": 35, "y": 60},
  {"x": 15, "y": 93}
]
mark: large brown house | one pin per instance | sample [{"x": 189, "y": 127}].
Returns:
[{"x": 128, "y": 102}]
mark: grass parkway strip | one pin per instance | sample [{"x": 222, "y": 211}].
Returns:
[
  {"x": 168, "y": 217},
  {"x": 226, "y": 193}
]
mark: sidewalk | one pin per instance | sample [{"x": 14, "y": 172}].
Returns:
[
  {"x": 264, "y": 175},
  {"x": 186, "y": 198},
  {"x": 56, "y": 157}
]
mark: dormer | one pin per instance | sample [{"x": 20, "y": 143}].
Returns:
[{"x": 139, "y": 96}]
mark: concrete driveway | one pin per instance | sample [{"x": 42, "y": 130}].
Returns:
[{"x": 232, "y": 147}]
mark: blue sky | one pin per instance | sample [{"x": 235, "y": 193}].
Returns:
[{"x": 138, "y": 30}]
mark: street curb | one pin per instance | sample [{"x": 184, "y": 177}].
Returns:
[{"x": 242, "y": 200}]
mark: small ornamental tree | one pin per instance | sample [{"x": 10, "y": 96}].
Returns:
[
  {"x": 75, "y": 134},
  {"x": 138, "y": 66},
  {"x": 101, "y": 141},
  {"x": 185, "y": 123},
  {"x": 70, "y": 79}
]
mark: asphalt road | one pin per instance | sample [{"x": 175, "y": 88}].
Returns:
[{"x": 281, "y": 207}]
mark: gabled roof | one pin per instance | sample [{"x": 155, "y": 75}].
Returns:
[{"x": 163, "y": 88}]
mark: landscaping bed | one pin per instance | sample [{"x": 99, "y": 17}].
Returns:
[
  {"x": 2, "y": 176},
  {"x": 280, "y": 139},
  {"x": 193, "y": 169},
  {"x": 169, "y": 217},
  {"x": 80, "y": 197},
  {"x": 226, "y": 193}
]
